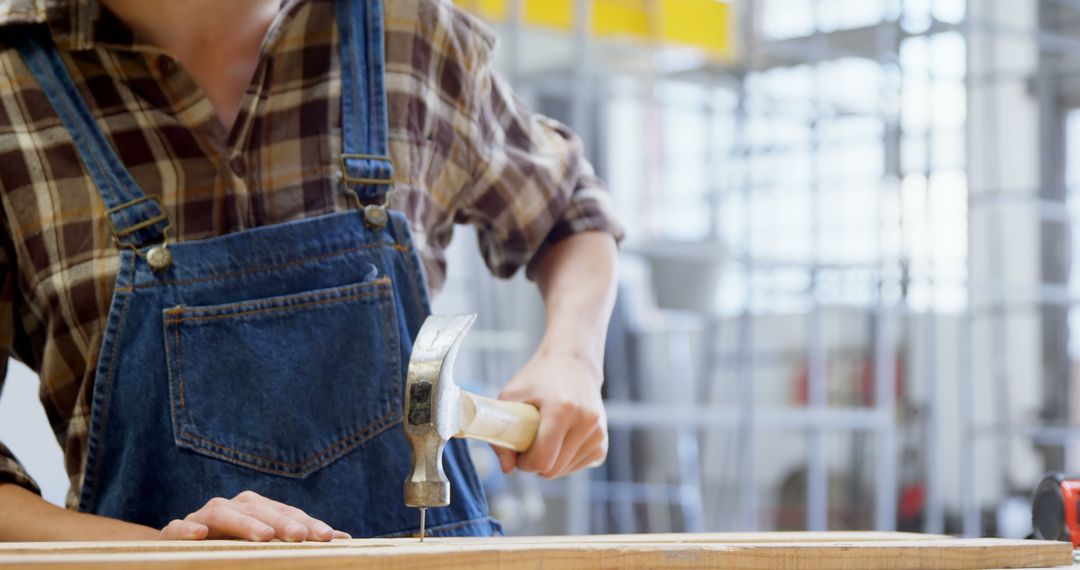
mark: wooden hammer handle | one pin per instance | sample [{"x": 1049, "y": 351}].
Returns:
[{"x": 507, "y": 424}]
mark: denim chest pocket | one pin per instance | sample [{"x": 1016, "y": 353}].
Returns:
[{"x": 287, "y": 384}]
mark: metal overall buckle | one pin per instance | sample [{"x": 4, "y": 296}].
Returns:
[
  {"x": 158, "y": 256},
  {"x": 375, "y": 216}
]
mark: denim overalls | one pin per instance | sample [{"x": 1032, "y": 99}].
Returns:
[{"x": 271, "y": 359}]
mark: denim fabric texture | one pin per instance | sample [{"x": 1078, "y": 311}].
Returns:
[
  {"x": 363, "y": 93},
  {"x": 271, "y": 359}
]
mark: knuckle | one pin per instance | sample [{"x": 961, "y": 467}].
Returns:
[
  {"x": 298, "y": 512},
  {"x": 212, "y": 516},
  {"x": 292, "y": 512},
  {"x": 203, "y": 515},
  {"x": 564, "y": 408},
  {"x": 217, "y": 502},
  {"x": 216, "y": 515},
  {"x": 247, "y": 496}
]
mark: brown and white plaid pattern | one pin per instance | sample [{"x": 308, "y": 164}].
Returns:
[{"x": 465, "y": 151}]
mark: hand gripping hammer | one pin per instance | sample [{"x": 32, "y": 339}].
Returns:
[{"x": 437, "y": 410}]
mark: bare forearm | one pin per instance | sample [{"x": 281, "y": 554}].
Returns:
[
  {"x": 577, "y": 281},
  {"x": 25, "y": 516},
  {"x": 563, "y": 379}
]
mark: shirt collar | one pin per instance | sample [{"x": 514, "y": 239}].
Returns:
[{"x": 76, "y": 23}]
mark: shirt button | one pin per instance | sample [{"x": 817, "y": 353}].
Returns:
[
  {"x": 165, "y": 65},
  {"x": 238, "y": 166}
]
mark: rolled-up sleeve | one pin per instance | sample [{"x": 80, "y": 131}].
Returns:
[
  {"x": 531, "y": 185},
  {"x": 11, "y": 471}
]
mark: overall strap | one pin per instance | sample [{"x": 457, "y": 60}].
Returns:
[
  {"x": 365, "y": 162},
  {"x": 137, "y": 219}
]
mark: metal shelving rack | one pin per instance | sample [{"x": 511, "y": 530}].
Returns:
[
  {"x": 922, "y": 335},
  {"x": 746, "y": 419},
  {"x": 1049, "y": 36}
]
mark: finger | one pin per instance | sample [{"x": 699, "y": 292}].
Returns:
[
  {"x": 595, "y": 456},
  {"x": 224, "y": 521},
  {"x": 316, "y": 529},
  {"x": 184, "y": 530},
  {"x": 508, "y": 458},
  {"x": 554, "y": 423},
  {"x": 594, "y": 459},
  {"x": 250, "y": 496},
  {"x": 171, "y": 531},
  {"x": 286, "y": 528},
  {"x": 339, "y": 534},
  {"x": 572, "y": 447}
]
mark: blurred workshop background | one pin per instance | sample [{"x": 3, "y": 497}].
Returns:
[{"x": 847, "y": 295}]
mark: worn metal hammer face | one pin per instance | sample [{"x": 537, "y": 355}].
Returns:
[{"x": 436, "y": 410}]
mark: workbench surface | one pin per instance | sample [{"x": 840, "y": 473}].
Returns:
[{"x": 751, "y": 551}]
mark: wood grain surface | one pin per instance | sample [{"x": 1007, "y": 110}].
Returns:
[{"x": 751, "y": 551}]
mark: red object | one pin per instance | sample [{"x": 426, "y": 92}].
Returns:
[
  {"x": 1070, "y": 492},
  {"x": 867, "y": 380},
  {"x": 863, "y": 378},
  {"x": 912, "y": 501}
]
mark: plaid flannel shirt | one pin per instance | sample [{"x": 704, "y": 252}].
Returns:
[{"x": 465, "y": 151}]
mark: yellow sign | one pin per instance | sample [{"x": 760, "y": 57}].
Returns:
[{"x": 707, "y": 24}]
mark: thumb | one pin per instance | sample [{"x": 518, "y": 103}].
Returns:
[
  {"x": 507, "y": 458},
  {"x": 184, "y": 530}
]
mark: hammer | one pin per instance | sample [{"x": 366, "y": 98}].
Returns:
[{"x": 437, "y": 410}]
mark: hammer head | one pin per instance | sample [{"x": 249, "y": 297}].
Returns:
[{"x": 432, "y": 407}]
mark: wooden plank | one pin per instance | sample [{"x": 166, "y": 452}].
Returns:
[
  {"x": 764, "y": 551},
  {"x": 687, "y": 538}
]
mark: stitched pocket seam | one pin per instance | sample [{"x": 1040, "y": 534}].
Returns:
[
  {"x": 309, "y": 465},
  {"x": 316, "y": 299},
  {"x": 380, "y": 289}
]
